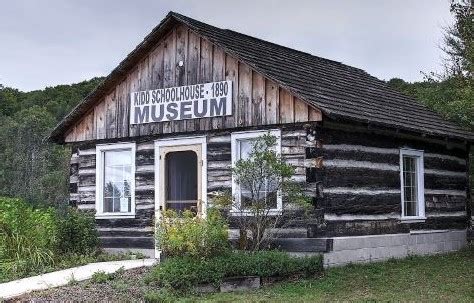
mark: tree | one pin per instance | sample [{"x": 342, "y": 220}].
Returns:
[
  {"x": 31, "y": 168},
  {"x": 263, "y": 177},
  {"x": 459, "y": 41}
]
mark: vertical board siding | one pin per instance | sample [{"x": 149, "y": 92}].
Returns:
[
  {"x": 169, "y": 60},
  {"x": 218, "y": 74},
  {"x": 232, "y": 74},
  {"x": 256, "y": 100},
  {"x": 301, "y": 110},
  {"x": 157, "y": 79},
  {"x": 272, "y": 96},
  {"x": 286, "y": 107},
  {"x": 205, "y": 75},
  {"x": 245, "y": 95},
  {"x": 134, "y": 82},
  {"x": 181, "y": 56}
]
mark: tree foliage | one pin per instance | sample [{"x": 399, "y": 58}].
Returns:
[
  {"x": 31, "y": 168},
  {"x": 451, "y": 93},
  {"x": 262, "y": 177},
  {"x": 459, "y": 41}
]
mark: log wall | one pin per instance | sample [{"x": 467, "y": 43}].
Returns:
[
  {"x": 360, "y": 182},
  {"x": 138, "y": 232},
  {"x": 117, "y": 233},
  {"x": 352, "y": 177}
]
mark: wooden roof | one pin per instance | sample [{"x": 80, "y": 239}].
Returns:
[{"x": 338, "y": 90}]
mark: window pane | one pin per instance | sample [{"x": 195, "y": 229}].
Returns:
[
  {"x": 267, "y": 195},
  {"x": 182, "y": 180},
  {"x": 117, "y": 180},
  {"x": 108, "y": 205},
  {"x": 118, "y": 158},
  {"x": 245, "y": 148},
  {"x": 410, "y": 186}
]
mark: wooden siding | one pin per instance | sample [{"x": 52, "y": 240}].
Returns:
[
  {"x": 360, "y": 182},
  {"x": 114, "y": 232},
  {"x": 353, "y": 178},
  {"x": 256, "y": 100},
  {"x": 219, "y": 177}
]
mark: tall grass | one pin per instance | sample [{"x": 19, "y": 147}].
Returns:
[{"x": 32, "y": 239}]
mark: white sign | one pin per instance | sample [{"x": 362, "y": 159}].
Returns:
[{"x": 183, "y": 102}]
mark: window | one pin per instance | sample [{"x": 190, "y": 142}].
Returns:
[
  {"x": 412, "y": 184},
  {"x": 115, "y": 180},
  {"x": 241, "y": 148}
]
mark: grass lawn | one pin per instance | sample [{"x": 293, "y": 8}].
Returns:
[{"x": 441, "y": 278}]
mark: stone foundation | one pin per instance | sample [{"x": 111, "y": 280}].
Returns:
[
  {"x": 149, "y": 253},
  {"x": 362, "y": 249}
]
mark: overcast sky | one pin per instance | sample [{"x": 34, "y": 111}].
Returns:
[{"x": 45, "y": 43}]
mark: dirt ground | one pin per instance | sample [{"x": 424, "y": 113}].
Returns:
[{"x": 127, "y": 286}]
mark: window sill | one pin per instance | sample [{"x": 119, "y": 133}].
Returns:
[
  {"x": 271, "y": 212},
  {"x": 115, "y": 216},
  {"x": 413, "y": 219}
]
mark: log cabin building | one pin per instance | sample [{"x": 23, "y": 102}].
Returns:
[{"x": 387, "y": 176}]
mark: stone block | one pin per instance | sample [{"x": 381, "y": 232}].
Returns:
[
  {"x": 240, "y": 283},
  {"x": 205, "y": 289}
]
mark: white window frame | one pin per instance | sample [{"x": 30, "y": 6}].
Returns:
[
  {"x": 99, "y": 177},
  {"x": 236, "y": 136},
  {"x": 418, "y": 154}
]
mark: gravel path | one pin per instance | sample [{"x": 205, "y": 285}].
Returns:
[{"x": 127, "y": 286}]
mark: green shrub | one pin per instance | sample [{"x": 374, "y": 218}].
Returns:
[
  {"x": 186, "y": 272},
  {"x": 101, "y": 277},
  {"x": 160, "y": 296},
  {"x": 187, "y": 235},
  {"x": 77, "y": 233}
]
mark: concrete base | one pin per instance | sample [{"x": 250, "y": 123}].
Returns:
[{"x": 382, "y": 247}]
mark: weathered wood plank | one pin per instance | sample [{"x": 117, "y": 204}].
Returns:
[
  {"x": 181, "y": 57},
  {"x": 218, "y": 74},
  {"x": 272, "y": 99},
  {"x": 157, "y": 73},
  {"x": 301, "y": 110},
  {"x": 111, "y": 130},
  {"x": 258, "y": 99},
  {"x": 89, "y": 124},
  {"x": 133, "y": 86},
  {"x": 245, "y": 95},
  {"x": 314, "y": 114},
  {"x": 71, "y": 135},
  {"x": 169, "y": 69},
  {"x": 286, "y": 107},
  {"x": 193, "y": 63},
  {"x": 205, "y": 73},
  {"x": 145, "y": 84},
  {"x": 232, "y": 74}
]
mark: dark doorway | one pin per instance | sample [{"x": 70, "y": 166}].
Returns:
[{"x": 181, "y": 180}]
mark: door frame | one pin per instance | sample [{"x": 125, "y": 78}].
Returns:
[{"x": 173, "y": 142}]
